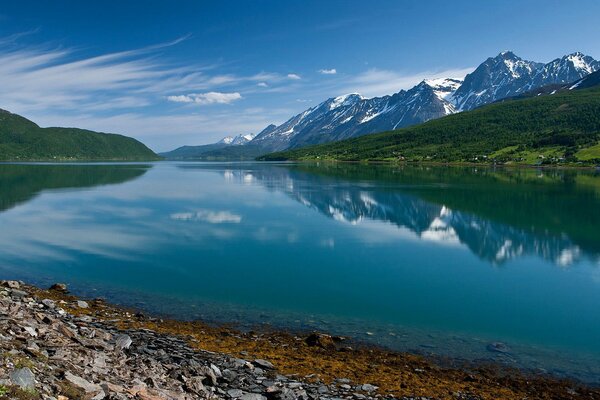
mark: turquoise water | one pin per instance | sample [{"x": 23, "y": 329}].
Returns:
[{"x": 440, "y": 261}]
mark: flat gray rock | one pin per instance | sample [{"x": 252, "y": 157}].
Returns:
[{"x": 23, "y": 377}]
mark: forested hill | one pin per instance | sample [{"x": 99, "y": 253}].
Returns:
[
  {"x": 563, "y": 127},
  {"x": 23, "y": 140}
]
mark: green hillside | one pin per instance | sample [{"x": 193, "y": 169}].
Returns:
[
  {"x": 551, "y": 129},
  {"x": 23, "y": 140}
]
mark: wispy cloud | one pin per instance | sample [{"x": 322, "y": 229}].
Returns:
[
  {"x": 331, "y": 71},
  {"x": 210, "y": 216},
  {"x": 294, "y": 76},
  {"x": 206, "y": 98},
  {"x": 378, "y": 82}
]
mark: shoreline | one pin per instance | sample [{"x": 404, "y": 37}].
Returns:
[{"x": 325, "y": 366}]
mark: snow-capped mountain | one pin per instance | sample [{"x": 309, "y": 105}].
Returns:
[
  {"x": 352, "y": 115},
  {"x": 508, "y": 75},
  {"x": 567, "y": 69},
  {"x": 496, "y": 78},
  {"x": 236, "y": 140},
  {"x": 503, "y": 76}
]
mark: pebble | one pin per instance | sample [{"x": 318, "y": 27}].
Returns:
[{"x": 107, "y": 363}]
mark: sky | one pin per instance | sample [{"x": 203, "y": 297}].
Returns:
[{"x": 173, "y": 73}]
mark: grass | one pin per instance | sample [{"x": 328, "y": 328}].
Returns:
[{"x": 590, "y": 153}]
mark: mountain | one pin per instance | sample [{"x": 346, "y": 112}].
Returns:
[
  {"x": 507, "y": 75},
  {"x": 352, "y": 115},
  {"x": 219, "y": 150},
  {"x": 503, "y": 76},
  {"x": 236, "y": 140},
  {"x": 23, "y": 140},
  {"x": 563, "y": 127}
]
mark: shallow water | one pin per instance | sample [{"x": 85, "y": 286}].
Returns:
[{"x": 436, "y": 260}]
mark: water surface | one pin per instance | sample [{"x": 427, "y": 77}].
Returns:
[{"x": 440, "y": 261}]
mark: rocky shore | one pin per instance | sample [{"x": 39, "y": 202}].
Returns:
[{"x": 55, "y": 346}]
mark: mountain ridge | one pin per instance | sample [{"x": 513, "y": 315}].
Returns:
[
  {"x": 504, "y": 76},
  {"x": 557, "y": 128},
  {"x": 23, "y": 140}
]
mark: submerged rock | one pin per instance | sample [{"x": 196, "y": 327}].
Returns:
[
  {"x": 59, "y": 287},
  {"x": 498, "y": 347}
]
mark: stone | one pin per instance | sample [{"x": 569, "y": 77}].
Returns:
[
  {"x": 18, "y": 293},
  {"x": 11, "y": 284},
  {"x": 264, "y": 364},
  {"x": 31, "y": 331},
  {"x": 123, "y": 342},
  {"x": 194, "y": 385},
  {"x": 81, "y": 383},
  {"x": 320, "y": 340},
  {"x": 59, "y": 287},
  {"x": 49, "y": 303},
  {"x": 368, "y": 387},
  {"x": 286, "y": 394},
  {"x": 253, "y": 396},
  {"x": 498, "y": 347},
  {"x": 23, "y": 377},
  {"x": 235, "y": 393},
  {"x": 82, "y": 304}
]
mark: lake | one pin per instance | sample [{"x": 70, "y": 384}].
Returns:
[{"x": 435, "y": 260}]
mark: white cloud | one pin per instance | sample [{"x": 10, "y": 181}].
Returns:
[
  {"x": 331, "y": 71},
  {"x": 294, "y": 76},
  {"x": 262, "y": 84},
  {"x": 212, "y": 217},
  {"x": 206, "y": 98},
  {"x": 378, "y": 82}
]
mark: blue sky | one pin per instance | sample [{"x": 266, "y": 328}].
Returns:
[{"x": 190, "y": 72}]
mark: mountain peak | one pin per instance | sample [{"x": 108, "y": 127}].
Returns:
[
  {"x": 507, "y": 54},
  {"x": 344, "y": 100},
  {"x": 237, "y": 140}
]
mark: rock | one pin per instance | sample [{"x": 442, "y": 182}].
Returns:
[
  {"x": 320, "y": 340},
  {"x": 81, "y": 383},
  {"x": 123, "y": 342},
  {"x": 59, "y": 287},
  {"x": 229, "y": 375},
  {"x": 31, "y": 331},
  {"x": 194, "y": 385},
  {"x": 263, "y": 364},
  {"x": 82, "y": 304},
  {"x": 286, "y": 394},
  {"x": 23, "y": 377},
  {"x": 18, "y": 293},
  {"x": 253, "y": 396},
  {"x": 209, "y": 375},
  {"x": 498, "y": 347},
  {"x": 235, "y": 393},
  {"x": 49, "y": 303},
  {"x": 11, "y": 284},
  {"x": 368, "y": 387}
]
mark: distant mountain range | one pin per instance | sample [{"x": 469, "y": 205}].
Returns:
[
  {"x": 23, "y": 140},
  {"x": 559, "y": 124},
  {"x": 352, "y": 115}
]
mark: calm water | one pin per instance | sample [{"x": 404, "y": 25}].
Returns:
[{"x": 435, "y": 260}]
